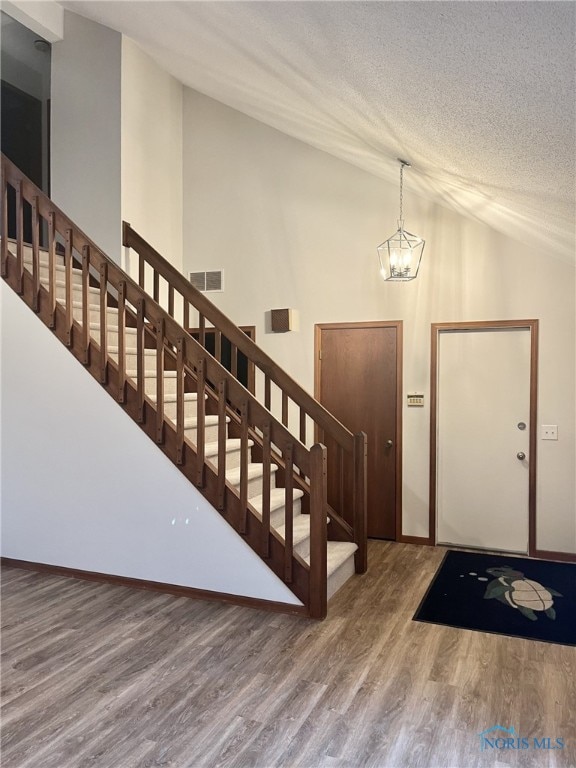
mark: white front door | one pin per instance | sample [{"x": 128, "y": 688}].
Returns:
[{"x": 483, "y": 430}]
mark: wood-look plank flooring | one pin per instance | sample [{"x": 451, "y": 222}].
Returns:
[{"x": 102, "y": 676}]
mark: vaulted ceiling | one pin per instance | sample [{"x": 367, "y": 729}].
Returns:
[{"x": 479, "y": 96}]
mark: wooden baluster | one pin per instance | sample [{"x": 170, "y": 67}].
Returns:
[
  {"x": 222, "y": 435},
  {"x": 19, "y": 237},
  {"x": 200, "y": 422},
  {"x": 234, "y": 360},
  {"x": 288, "y": 512},
  {"x": 52, "y": 267},
  {"x": 218, "y": 345},
  {"x": 267, "y": 392},
  {"x": 171, "y": 300},
  {"x": 86, "y": 337},
  {"x": 302, "y": 432},
  {"x": 4, "y": 245},
  {"x": 35, "y": 255},
  {"x": 244, "y": 415},
  {"x": 360, "y": 457},
  {"x": 180, "y": 400},
  {"x": 284, "y": 409},
  {"x": 140, "y": 309},
  {"x": 141, "y": 271},
  {"x": 266, "y": 482},
  {"x": 185, "y": 314},
  {"x": 340, "y": 460},
  {"x": 318, "y": 532},
  {"x": 202, "y": 330},
  {"x": 103, "y": 323},
  {"x": 121, "y": 341},
  {"x": 302, "y": 426},
  {"x": 156, "y": 287},
  {"x": 68, "y": 285},
  {"x": 160, "y": 380}
]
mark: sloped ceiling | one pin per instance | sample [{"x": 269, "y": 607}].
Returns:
[{"x": 478, "y": 96}]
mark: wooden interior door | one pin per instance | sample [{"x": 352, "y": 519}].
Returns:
[{"x": 358, "y": 379}]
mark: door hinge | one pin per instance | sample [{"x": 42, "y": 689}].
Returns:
[{"x": 319, "y": 354}]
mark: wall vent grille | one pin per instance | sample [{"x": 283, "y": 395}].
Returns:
[{"x": 208, "y": 282}]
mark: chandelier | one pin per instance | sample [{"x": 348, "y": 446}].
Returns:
[{"x": 401, "y": 254}]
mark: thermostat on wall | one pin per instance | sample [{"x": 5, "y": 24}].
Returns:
[{"x": 415, "y": 399}]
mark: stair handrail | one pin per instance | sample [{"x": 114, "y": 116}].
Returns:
[
  {"x": 325, "y": 423},
  {"x": 322, "y": 417},
  {"x": 191, "y": 357}
]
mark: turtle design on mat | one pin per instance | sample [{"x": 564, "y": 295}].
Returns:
[{"x": 512, "y": 588}]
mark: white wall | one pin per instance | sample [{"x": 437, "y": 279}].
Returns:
[
  {"x": 152, "y": 152},
  {"x": 295, "y": 227},
  {"x": 83, "y": 487},
  {"x": 86, "y": 131}
]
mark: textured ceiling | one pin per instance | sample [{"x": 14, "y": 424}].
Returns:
[{"x": 479, "y": 96}]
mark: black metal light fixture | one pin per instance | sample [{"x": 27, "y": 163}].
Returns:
[{"x": 401, "y": 254}]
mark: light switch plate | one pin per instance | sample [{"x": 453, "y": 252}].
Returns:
[{"x": 549, "y": 432}]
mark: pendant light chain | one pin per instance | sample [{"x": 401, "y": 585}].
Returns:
[{"x": 401, "y": 188}]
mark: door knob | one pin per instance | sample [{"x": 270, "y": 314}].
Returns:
[
  {"x": 389, "y": 443},
  {"x": 521, "y": 455}
]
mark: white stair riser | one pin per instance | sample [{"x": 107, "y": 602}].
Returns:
[
  {"x": 340, "y": 576},
  {"x": 94, "y": 315},
  {"x": 232, "y": 458},
  {"x": 190, "y": 410},
  {"x": 211, "y": 432},
  {"x": 277, "y": 517},
  {"x": 130, "y": 340},
  {"x": 255, "y": 484},
  {"x": 60, "y": 274},
  {"x": 132, "y": 360},
  {"x": 42, "y": 257},
  {"x": 93, "y": 294},
  {"x": 150, "y": 384}
]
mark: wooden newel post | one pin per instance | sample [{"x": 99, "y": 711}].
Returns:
[
  {"x": 318, "y": 532},
  {"x": 360, "y": 508}
]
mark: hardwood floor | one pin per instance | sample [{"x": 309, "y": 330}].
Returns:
[{"x": 111, "y": 677}]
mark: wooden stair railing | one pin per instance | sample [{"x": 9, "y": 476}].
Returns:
[
  {"x": 181, "y": 356},
  {"x": 346, "y": 453}
]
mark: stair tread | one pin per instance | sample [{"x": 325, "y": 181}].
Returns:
[
  {"x": 191, "y": 422},
  {"x": 254, "y": 470},
  {"x": 133, "y": 374},
  {"x": 300, "y": 529},
  {"x": 232, "y": 444},
  {"x": 149, "y": 352},
  {"x": 188, "y": 397},
  {"x": 277, "y": 497},
  {"x": 337, "y": 554}
]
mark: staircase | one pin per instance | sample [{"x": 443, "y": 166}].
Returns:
[{"x": 302, "y": 509}]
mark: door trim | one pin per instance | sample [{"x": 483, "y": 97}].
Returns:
[
  {"x": 398, "y": 325},
  {"x": 437, "y": 329}
]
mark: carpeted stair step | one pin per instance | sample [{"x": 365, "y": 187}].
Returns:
[
  {"x": 233, "y": 453},
  {"x": 130, "y": 334},
  {"x": 255, "y": 474},
  {"x": 277, "y": 498},
  {"x": 300, "y": 535},
  {"x": 132, "y": 358},
  {"x": 94, "y": 314},
  {"x": 170, "y": 383},
  {"x": 340, "y": 564},
  {"x": 170, "y": 407},
  {"x": 210, "y": 428}
]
